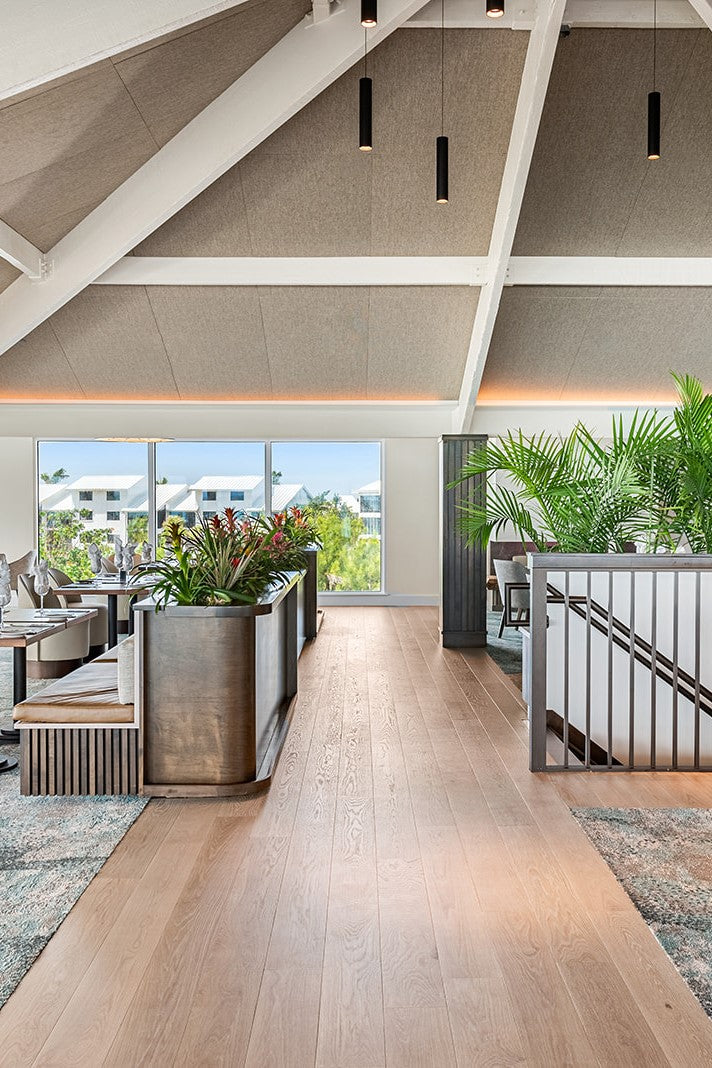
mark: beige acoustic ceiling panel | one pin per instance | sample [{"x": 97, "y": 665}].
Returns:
[
  {"x": 581, "y": 344},
  {"x": 591, "y": 189},
  {"x": 308, "y": 191},
  {"x": 248, "y": 343},
  {"x": 8, "y": 274},
  {"x": 64, "y": 148}
]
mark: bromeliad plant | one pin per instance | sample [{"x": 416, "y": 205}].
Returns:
[
  {"x": 224, "y": 560},
  {"x": 650, "y": 483}
]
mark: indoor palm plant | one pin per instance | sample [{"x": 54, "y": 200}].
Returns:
[{"x": 650, "y": 483}]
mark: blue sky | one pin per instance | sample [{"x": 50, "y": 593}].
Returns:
[{"x": 340, "y": 467}]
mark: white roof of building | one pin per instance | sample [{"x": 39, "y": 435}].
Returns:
[
  {"x": 108, "y": 482},
  {"x": 64, "y": 504},
  {"x": 189, "y": 503},
  {"x": 51, "y": 489},
  {"x": 227, "y": 482},
  {"x": 284, "y": 493},
  {"x": 372, "y": 487},
  {"x": 349, "y": 501},
  {"x": 165, "y": 492}
]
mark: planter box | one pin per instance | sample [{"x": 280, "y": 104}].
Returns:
[{"x": 216, "y": 691}]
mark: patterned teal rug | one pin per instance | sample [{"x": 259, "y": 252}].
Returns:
[
  {"x": 663, "y": 859},
  {"x": 50, "y": 850},
  {"x": 507, "y": 650}
]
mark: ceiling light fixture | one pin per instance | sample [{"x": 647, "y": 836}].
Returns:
[
  {"x": 495, "y": 9},
  {"x": 369, "y": 12},
  {"x": 441, "y": 145},
  {"x": 654, "y": 97},
  {"x": 365, "y": 103}
]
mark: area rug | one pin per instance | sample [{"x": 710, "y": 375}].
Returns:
[
  {"x": 663, "y": 859},
  {"x": 50, "y": 850},
  {"x": 507, "y": 650}
]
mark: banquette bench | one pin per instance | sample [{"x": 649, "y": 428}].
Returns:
[{"x": 80, "y": 735}]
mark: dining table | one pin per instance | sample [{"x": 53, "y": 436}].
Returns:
[
  {"x": 112, "y": 589},
  {"x": 21, "y": 628}
]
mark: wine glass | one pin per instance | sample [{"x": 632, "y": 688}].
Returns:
[
  {"x": 5, "y": 591},
  {"x": 42, "y": 584}
]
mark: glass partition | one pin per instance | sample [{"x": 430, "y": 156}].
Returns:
[
  {"x": 340, "y": 483},
  {"x": 90, "y": 491}
]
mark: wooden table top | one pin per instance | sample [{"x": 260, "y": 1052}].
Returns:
[{"x": 23, "y": 626}]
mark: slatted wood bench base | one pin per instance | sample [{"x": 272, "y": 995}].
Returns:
[{"x": 79, "y": 760}]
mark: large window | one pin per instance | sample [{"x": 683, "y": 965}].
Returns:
[
  {"x": 90, "y": 491},
  {"x": 201, "y": 478},
  {"x": 73, "y": 473},
  {"x": 334, "y": 479}
]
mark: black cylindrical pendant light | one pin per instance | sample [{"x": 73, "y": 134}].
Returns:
[
  {"x": 441, "y": 170},
  {"x": 441, "y": 145},
  {"x": 369, "y": 12},
  {"x": 365, "y": 114},
  {"x": 653, "y": 125},
  {"x": 654, "y": 97},
  {"x": 495, "y": 9}
]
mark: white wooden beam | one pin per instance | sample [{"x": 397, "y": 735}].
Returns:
[
  {"x": 609, "y": 271},
  {"x": 622, "y": 14},
  {"x": 704, "y": 10},
  {"x": 297, "y": 271},
  {"x": 18, "y": 251},
  {"x": 308, "y": 59},
  {"x": 322, "y": 9},
  {"x": 43, "y": 41},
  {"x": 530, "y": 104}
]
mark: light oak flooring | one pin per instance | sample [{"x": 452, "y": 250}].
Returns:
[{"x": 407, "y": 894}]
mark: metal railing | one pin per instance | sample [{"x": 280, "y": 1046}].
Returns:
[{"x": 616, "y": 660}]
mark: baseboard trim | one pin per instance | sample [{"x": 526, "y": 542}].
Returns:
[{"x": 390, "y": 600}]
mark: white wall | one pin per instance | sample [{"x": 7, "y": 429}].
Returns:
[
  {"x": 412, "y": 506},
  {"x": 17, "y": 496}
]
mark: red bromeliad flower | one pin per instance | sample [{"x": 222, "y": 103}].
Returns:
[
  {"x": 279, "y": 518},
  {"x": 230, "y": 520},
  {"x": 215, "y": 523}
]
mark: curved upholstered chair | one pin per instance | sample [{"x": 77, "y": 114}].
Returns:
[
  {"x": 61, "y": 653},
  {"x": 512, "y": 571},
  {"x": 23, "y": 566},
  {"x": 99, "y": 626}
]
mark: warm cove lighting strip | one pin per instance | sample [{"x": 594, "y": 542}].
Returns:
[{"x": 603, "y": 271}]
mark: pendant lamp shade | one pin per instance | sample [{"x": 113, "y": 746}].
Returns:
[
  {"x": 441, "y": 170},
  {"x": 365, "y": 114},
  {"x": 369, "y": 12},
  {"x": 495, "y": 9},
  {"x": 654, "y": 125}
]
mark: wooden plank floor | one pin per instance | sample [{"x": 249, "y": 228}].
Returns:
[{"x": 407, "y": 894}]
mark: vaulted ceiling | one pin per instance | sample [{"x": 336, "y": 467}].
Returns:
[{"x": 306, "y": 191}]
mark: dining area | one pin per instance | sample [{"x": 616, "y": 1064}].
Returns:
[{"x": 50, "y": 626}]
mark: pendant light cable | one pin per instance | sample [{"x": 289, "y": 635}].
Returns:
[{"x": 442, "y": 67}]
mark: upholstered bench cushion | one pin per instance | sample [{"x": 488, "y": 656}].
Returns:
[{"x": 88, "y": 695}]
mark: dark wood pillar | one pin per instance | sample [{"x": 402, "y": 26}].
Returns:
[{"x": 463, "y": 569}]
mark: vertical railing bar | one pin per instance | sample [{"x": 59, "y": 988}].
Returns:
[
  {"x": 675, "y": 652},
  {"x": 653, "y": 669},
  {"x": 631, "y": 677},
  {"x": 537, "y": 615},
  {"x": 587, "y": 740},
  {"x": 567, "y": 578},
  {"x": 609, "y": 760},
  {"x": 698, "y": 580}
]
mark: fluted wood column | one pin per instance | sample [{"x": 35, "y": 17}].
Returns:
[{"x": 463, "y": 569}]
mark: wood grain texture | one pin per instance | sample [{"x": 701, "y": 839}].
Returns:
[{"x": 406, "y": 894}]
